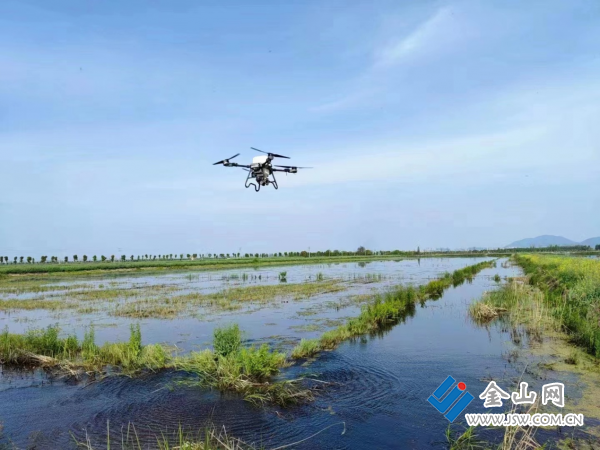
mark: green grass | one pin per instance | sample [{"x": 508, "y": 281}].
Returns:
[
  {"x": 227, "y": 340},
  {"x": 306, "y": 348},
  {"x": 18, "y": 349},
  {"x": 44, "y": 347},
  {"x": 229, "y": 367},
  {"x": 245, "y": 370},
  {"x": 571, "y": 292},
  {"x": 467, "y": 440}
]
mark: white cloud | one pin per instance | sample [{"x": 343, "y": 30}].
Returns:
[
  {"x": 437, "y": 31},
  {"x": 444, "y": 31},
  {"x": 544, "y": 131},
  {"x": 347, "y": 101}
]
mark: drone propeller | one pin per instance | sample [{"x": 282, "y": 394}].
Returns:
[
  {"x": 292, "y": 167},
  {"x": 271, "y": 154},
  {"x": 225, "y": 160}
]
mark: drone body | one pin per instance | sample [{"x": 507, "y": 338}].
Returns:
[{"x": 261, "y": 172}]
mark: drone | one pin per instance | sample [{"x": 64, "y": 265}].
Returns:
[{"x": 261, "y": 172}]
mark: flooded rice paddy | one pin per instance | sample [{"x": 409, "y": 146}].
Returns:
[
  {"x": 378, "y": 385},
  {"x": 183, "y": 308}
]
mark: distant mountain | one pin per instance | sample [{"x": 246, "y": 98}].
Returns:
[
  {"x": 592, "y": 242},
  {"x": 542, "y": 241}
]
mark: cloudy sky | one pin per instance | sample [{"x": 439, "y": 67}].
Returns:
[{"x": 431, "y": 124}]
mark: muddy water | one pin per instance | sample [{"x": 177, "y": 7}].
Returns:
[{"x": 380, "y": 386}]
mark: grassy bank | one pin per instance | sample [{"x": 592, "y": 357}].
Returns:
[
  {"x": 552, "y": 317},
  {"x": 571, "y": 290},
  {"x": 385, "y": 310},
  {"x": 561, "y": 291}
]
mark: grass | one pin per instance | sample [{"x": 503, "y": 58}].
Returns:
[
  {"x": 245, "y": 370},
  {"x": 537, "y": 306},
  {"x": 483, "y": 313},
  {"x": 521, "y": 438},
  {"x": 18, "y": 349},
  {"x": 161, "y": 301},
  {"x": 514, "y": 437},
  {"x": 229, "y": 367},
  {"x": 226, "y": 300},
  {"x": 20, "y": 285},
  {"x": 571, "y": 292},
  {"x": 466, "y": 440},
  {"x": 32, "y": 304},
  {"x": 44, "y": 347},
  {"x": 385, "y": 310},
  {"x": 520, "y": 303},
  {"x": 306, "y": 348},
  {"x": 210, "y": 439},
  {"x": 227, "y": 340}
]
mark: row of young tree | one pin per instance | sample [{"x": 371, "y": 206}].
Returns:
[
  {"x": 361, "y": 251},
  {"x": 189, "y": 256}
]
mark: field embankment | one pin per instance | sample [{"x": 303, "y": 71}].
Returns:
[
  {"x": 556, "y": 309},
  {"x": 387, "y": 309},
  {"x": 565, "y": 290},
  {"x": 571, "y": 291}
]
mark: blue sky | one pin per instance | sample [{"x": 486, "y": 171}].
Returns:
[{"x": 431, "y": 124}]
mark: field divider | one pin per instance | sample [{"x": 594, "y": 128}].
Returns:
[{"x": 386, "y": 310}]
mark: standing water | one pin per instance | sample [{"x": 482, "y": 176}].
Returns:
[{"x": 378, "y": 387}]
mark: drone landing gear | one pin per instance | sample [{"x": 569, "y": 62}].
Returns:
[
  {"x": 250, "y": 183},
  {"x": 259, "y": 183}
]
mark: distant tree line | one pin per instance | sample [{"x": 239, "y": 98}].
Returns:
[{"x": 361, "y": 251}]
